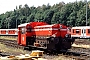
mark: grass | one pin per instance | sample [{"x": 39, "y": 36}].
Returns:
[
  {"x": 8, "y": 37},
  {"x": 11, "y": 50}
]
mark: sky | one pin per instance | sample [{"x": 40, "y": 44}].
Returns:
[{"x": 10, "y": 5}]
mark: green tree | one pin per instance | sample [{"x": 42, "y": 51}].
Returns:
[{"x": 48, "y": 16}]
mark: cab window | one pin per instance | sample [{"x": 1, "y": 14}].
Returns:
[
  {"x": 23, "y": 30},
  {"x": 28, "y": 29}
]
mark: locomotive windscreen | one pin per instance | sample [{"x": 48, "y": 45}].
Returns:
[{"x": 23, "y": 30}]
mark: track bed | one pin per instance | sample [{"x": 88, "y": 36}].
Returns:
[{"x": 73, "y": 53}]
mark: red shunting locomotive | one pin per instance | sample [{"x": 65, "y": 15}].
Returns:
[{"x": 43, "y": 35}]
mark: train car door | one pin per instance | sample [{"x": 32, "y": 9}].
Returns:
[{"x": 83, "y": 34}]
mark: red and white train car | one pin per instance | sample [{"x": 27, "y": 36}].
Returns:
[
  {"x": 80, "y": 32},
  {"x": 43, "y": 35},
  {"x": 8, "y": 32}
]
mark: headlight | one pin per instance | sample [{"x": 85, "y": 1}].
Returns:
[{"x": 67, "y": 35}]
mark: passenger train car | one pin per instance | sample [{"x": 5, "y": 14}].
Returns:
[
  {"x": 43, "y": 35},
  {"x": 9, "y": 32},
  {"x": 80, "y": 32}
]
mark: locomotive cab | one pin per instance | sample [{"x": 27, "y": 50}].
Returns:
[
  {"x": 26, "y": 34},
  {"x": 22, "y": 34}
]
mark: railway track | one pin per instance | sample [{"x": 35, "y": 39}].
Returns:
[
  {"x": 3, "y": 54},
  {"x": 11, "y": 43},
  {"x": 74, "y": 53}
]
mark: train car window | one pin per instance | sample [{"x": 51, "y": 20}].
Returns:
[
  {"x": 23, "y": 30},
  {"x": 77, "y": 31},
  {"x": 73, "y": 30},
  {"x": 89, "y": 31}
]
